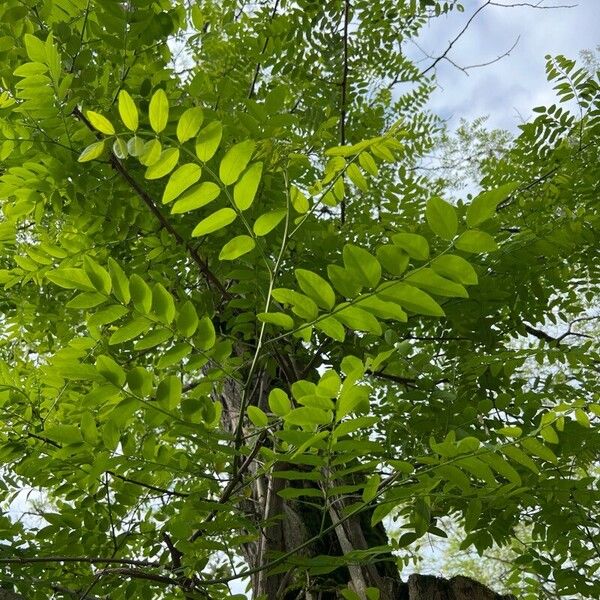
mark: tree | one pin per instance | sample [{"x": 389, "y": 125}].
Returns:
[{"x": 240, "y": 328}]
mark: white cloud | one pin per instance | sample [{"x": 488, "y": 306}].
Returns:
[{"x": 514, "y": 85}]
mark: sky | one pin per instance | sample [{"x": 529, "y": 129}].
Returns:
[{"x": 507, "y": 90}]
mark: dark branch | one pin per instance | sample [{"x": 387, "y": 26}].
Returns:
[{"x": 147, "y": 199}]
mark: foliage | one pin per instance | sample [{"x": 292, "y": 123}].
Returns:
[{"x": 226, "y": 288}]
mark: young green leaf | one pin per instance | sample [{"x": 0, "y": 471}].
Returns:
[
  {"x": 168, "y": 392},
  {"x": 158, "y": 110},
  {"x": 92, "y": 152},
  {"x": 180, "y": 180},
  {"x": 196, "y": 197},
  {"x": 257, "y": 416},
  {"x": 208, "y": 141},
  {"x": 483, "y": 206},
  {"x": 150, "y": 153},
  {"x": 441, "y": 218},
  {"x": 206, "y": 334},
  {"x": 120, "y": 283},
  {"x": 476, "y": 241},
  {"x": 268, "y": 221},
  {"x": 235, "y": 161},
  {"x": 130, "y": 331},
  {"x": 141, "y": 294},
  {"x": 276, "y": 318},
  {"x": 245, "y": 189},
  {"x": 128, "y": 111},
  {"x": 100, "y": 122},
  {"x": 189, "y": 124},
  {"x": 455, "y": 268},
  {"x": 279, "y": 403},
  {"x": 98, "y": 275},
  {"x": 316, "y": 287},
  {"x": 164, "y": 165},
  {"x": 362, "y": 265},
  {"x": 393, "y": 259},
  {"x": 163, "y": 305},
  {"x": 428, "y": 280},
  {"x": 416, "y": 246},
  {"x": 238, "y": 246},
  {"x": 219, "y": 219},
  {"x": 187, "y": 320},
  {"x": 110, "y": 370}
]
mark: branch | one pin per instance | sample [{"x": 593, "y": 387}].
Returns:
[
  {"x": 456, "y": 38},
  {"x": 344, "y": 86},
  {"x": 26, "y": 560},
  {"x": 232, "y": 485},
  {"x": 116, "y": 164},
  {"x": 137, "y": 574},
  {"x": 149, "y": 486},
  {"x": 257, "y": 69}
]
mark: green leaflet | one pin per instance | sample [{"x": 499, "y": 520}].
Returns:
[
  {"x": 393, "y": 259},
  {"x": 130, "y": 330},
  {"x": 357, "y": 319},
  {"x": 158, "y": 110},
  {"x": 276, "y": 318},
  {"x": 208, "y": 141},
  {"x": 302, "y": 305},
  {"x": 92, "y": 152},
  {"x": 120, "y": 283},
  {"x": 98, "y": 275},
  {"x": 163, "y": 305},
  {"x": 71, "y": 279},
  {"x": 279, "y": 403},
  {"x": 476, "y": 241},
  {"x": 110, "y": 370},
  {"x": 410, "y": 298},
  {"x": 180, "y": 180},
  {"x": 343, "y": 281},
  {"x": 358, "y": 179},
  {"x": 238, "y": 246},
  {"x": 219, "y": 219},
  {"x": 189, "y": 123},
  {"x": 100, "y": 122},
  {"x": 196, "y": 197},
  {"x": 257, "y": 416},
  {"x": 483, "y": 206},
  {"x": 316, "y": 287},
  {"x": 455, "y": 268},
  {"x": 164, "y": 165},
  {"x": 332, "y": 328},
  {"x": 141, "y": 294},
  {"x": 187, "y": 320},
  {"x": 299, "y": 200},
  {"x": 428, "y": 280},
  {"x": 381, "y": 308},
  {"x": 150, "y": 152},
  {"x": 361, "y": 265},
  {"x": 245, "y": 189},
  {"x": 168, "y": 392},
  {"x": 128, "y": 111},
  {"x": 235, "y": 161},
  {"x": 306, "y": 416},
  {"x": 86, "y": 300},
  {"x": 205, "y": 334},
  {"x": 156, "y": 337},
  {"x": 267, "y": 222},
  {"x": 416, "y": 246},
  {"x": 139, "y": 381},
  {"x": 441, "y": 218}
]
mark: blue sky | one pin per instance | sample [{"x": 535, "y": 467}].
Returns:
[{"x": 510, "y": 88}]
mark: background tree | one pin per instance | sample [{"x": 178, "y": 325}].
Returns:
[{"x": 241, "y": 328}]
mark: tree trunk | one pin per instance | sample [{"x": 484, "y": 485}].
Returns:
[{"x": 286, "y": 525}]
